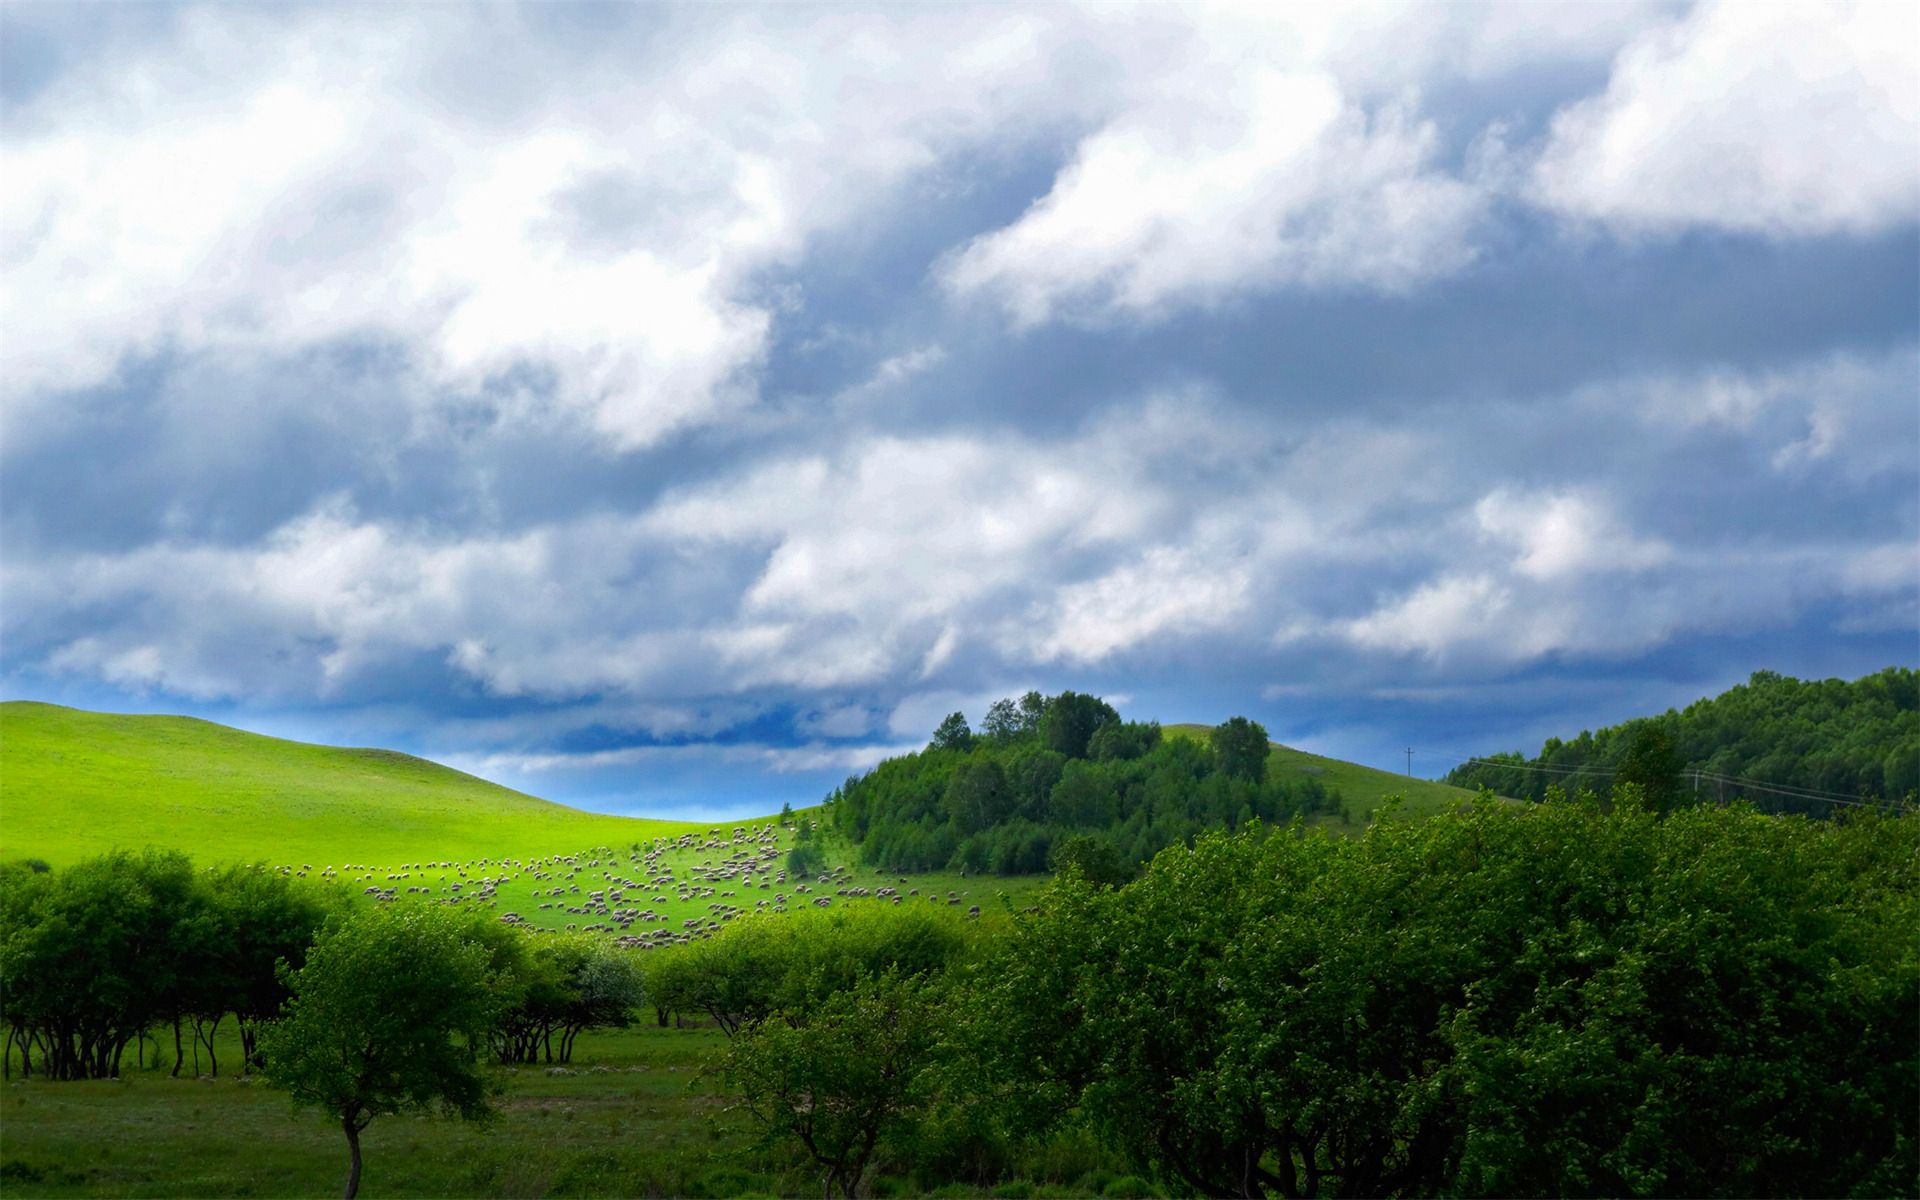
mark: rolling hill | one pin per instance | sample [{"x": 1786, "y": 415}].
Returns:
[
  {"x": 1362, "y": 787},
  {"x": 75, "y": 783}
]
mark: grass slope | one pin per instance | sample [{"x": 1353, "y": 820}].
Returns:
[
  {"x": 1363, "y": 788},
  {"x": 75, "y": 784}
]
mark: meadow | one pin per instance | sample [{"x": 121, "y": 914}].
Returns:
[{"x": 74, "y": 784}]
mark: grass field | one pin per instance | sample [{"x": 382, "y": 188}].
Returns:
[
  {"x": 75, "y": 784},
  {"x": 1363, "y": 788},
  {"x": 631, "y": 1116}
]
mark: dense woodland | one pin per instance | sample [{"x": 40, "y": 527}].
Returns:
[
  {"x": 1859, "y": 740},
  {"x": 1055, "y": 779}
]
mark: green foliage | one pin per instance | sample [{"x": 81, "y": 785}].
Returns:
[
  {"x": 1069, "y": 721},
  {"x": 844, "y": 1078},
  {"x": 1003, "y": 806},
  {"x": 1653, "y": 766},
  {"x": 806, "y": 860},
  {"x": 570, "y": 983},
  {"x": 1242, "y": 747},
  {"x": 92, "y": 956},
  {"x": 953, "y": 734},
  {"x": 387, "y": 1015},
  {"x": 1552, "y": 1000},
  {"x": 766, "y": 964},
  {"x": 1093, "y": 857},
  {"x": 1853, "y": 739}
]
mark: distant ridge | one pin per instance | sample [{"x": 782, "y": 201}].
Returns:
[
  {"x": 75, "y": 783},
  {"x": 1363, "y": 787}
]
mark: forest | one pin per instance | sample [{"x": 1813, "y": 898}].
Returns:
[
  {"x": 1055, "y": 779},
  {"x": 1789, "y": 745}
]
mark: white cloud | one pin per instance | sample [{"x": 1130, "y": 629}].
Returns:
[
  {"x": 1276, "y": 178},
  {"x": 1435, "y": 616},
  {"x": 1168, "y": 591},
  {"x": 1776, "y": 118},
  {"x": 1560, "y": 534},
  {"x": 1853, "y": 408},
  {"x": 592, "y": 249}
]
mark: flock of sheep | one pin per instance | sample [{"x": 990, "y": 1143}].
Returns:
[{"x": 753, "y": 863}]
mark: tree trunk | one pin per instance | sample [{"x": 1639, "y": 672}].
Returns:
[
  {"x": 353, "y": 1156},
  {"x": 177, "y": 1055},
  {"x": 212, "y": 1027}
]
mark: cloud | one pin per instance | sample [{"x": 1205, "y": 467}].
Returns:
[
  {"x": 1166, "y": 592},
  {"x": 1778, "y": 119},
  {"x": 589, "y": 250},
  {"x": 1279, "y": 179},
  {"x": 1561, "y": 534}
]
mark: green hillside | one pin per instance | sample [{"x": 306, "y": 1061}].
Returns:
[
  {"x": 74, "y": 784},
  {"x": 1362, "y": 787}
]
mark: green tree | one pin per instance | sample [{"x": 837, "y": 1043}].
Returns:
[
  {"x": 93, "y": 956},
  {"x": 977, "y": 795},
  {"x": 1002, "y": 723},
  {"x": 1541, "y": 1000},
  {"x": 1243, "y": 748},
  {"x": 953, "y": 734},
  {"x": 573, "y": 983},
  {"x": 387, "y": 1015},
  {"x": 1652, "y": 764},
  {"x": 1070, "y": 720},
  {"x": 805, "y": 858},
  {"x": 843, "y": 1080},
  {"x": 1096, "y": 858}
]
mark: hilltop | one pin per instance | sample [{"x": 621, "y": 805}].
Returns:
[
  {"x": 1050, "y": 779},
  {"x": 1364, "y": 788},
  {"x": 76, "y": 783}
]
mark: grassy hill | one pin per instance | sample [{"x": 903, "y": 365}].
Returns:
[
  {"x": 1362, "y": 787},
  {"x": 74, "y": 784}
]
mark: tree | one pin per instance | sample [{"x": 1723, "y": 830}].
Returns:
[
  {"x": 1653, "y": 764},
  {"x": 93, "y": 956},
  {"x": 267, "y": 918},
  {"x": 1504, "y": 1000},
  {"x": 1096, "y": 858},
  {"x": 1243, "y": 748},
  {"x": 1002, "y": 723},
  {"x": 977, "y": 795},
  {"x": 1033, "y": 707},
  {"x": 953, "y": 734},
  {"x": 842, "y": 1080},
  {"x": 1070, "y": 720},
  {"x": 574, "y": 982},
  {"x": 806, "y": 858},
  {"x": 387, "y": 1015}
]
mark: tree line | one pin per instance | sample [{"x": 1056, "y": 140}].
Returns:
[
  {"x": 1572, "y": 998},
  {"x": 357, "y": 1009},
  {"x": 1858, "y": 739},
  {"x": 1050, "y": 780}
]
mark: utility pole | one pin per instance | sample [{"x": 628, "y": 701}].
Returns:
[{"x": 1409, "y": 762}]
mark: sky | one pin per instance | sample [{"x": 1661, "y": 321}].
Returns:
[{"x": 674, "y": 410}]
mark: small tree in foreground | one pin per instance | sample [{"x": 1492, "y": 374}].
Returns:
[
  {"x": 843, "y": 1081},
  {"x": 387, "y": 1014}
]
